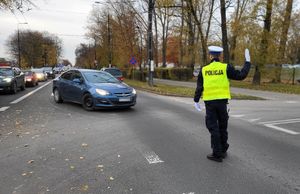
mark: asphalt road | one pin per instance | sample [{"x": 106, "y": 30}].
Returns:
[{"x": 159, "y": 146}]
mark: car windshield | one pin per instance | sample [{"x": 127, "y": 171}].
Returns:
[
  {"x": 114, "y": 72},
  {"x": 6, "y": 72},
  {"x": 38, "y": 70},
  {"x": 47, "y": 68},
  {"x": 28, "y": 72},
  {"x": 100, "y": 77}
]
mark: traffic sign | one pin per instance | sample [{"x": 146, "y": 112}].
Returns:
[{"x": 132, "y": 61}]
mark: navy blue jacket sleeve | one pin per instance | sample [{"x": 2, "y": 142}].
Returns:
[
  {"x": 199, "y": 89},
  {"x": 234, "y": 74}
]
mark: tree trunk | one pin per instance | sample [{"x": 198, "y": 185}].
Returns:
[
  {"x": 283, "y": 40},
  {"x": 181, "y": 36},
  {"x": 264, "y": 43},
  {"x": 224, "y": 31}
]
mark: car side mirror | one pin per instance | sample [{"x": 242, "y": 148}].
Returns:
[{"x": 78, "y": 81}]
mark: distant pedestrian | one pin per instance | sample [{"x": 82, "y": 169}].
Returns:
[{"x": 214, "y": 88}]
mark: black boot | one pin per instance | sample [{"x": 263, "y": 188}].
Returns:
[
  {"x": 224, "y": 155},
  {"x": 214, "y": 158}
]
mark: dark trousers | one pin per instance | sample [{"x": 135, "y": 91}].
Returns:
[{"x": 216, "y": 122}]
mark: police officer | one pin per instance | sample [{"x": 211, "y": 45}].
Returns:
[{"x": 213, "y": 86}]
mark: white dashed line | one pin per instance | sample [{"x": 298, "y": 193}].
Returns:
[
  {"x": 253, "y": 120},
  {"x": 291, "y": 102},
  {"x": 281, "y": 129},
  {"x": 2, "y": 109},
  {"x": 152, "y": 158},
  {"x": 237, "y": 116},
  {"x": 272, "y": 125},
  {"x": 281, "y": 121},
  {"x": 29, "y": 94}
]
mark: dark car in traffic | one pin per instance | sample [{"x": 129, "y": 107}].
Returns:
[
  {"x": 31, "y": 78},
  {"x": 117, "y": 73},
  {"x": 11, "y": 78},
  {"x": 93, "y": 89},
  {"x": 49, "y": 71}
]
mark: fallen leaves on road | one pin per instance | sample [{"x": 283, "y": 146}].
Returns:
[
  {"x": 30, "y": 161},
  {"x": 84, "y": 188},
  {"x": 72, "y": 167},
  {"x": 84, "y": 145},
  {"x": 81, "y": 158},
  {"x": 111, "y": 178}
]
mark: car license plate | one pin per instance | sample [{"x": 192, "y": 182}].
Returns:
[{"x": 124, "y": 99}]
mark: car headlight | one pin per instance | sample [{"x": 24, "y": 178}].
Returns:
[
  {"x": 133, "y": 91},
  {"x": 8, "y": 79},
  {"x": 102, "y": 92}
]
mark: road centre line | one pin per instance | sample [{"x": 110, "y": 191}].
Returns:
[
  {"x": 2, "y": 109},
  {"x": 29, "y": 94}
]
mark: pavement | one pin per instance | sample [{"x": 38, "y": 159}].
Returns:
[
  {"x": 159, "y": 146},
  {"x": 263, "y": 94}
]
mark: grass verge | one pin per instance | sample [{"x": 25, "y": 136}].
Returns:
[
  {"x": 278, "y": 87},
  {"x": 180, "y": 91}
]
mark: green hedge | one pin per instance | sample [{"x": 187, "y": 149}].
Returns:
[
  {"x": 179, "y": 74},
  {"x": 135, "y": 74}
]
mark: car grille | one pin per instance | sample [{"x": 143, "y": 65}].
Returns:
[{"x": 123, "y": 94}]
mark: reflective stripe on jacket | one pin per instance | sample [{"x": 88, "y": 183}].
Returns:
[{"x": 215, "y": 82}]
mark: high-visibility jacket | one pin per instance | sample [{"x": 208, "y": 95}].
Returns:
[{"x": 215, "y": 82}]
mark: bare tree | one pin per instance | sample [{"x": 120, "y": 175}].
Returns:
[
  {"x": 264, "y": 43},
  {"x": 283, "y": 39}
]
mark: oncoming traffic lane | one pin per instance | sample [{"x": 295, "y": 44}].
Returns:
[{"x": 6, "y": 100}]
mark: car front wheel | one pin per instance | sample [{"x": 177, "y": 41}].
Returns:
[
  {"x": 87, "y": 102},
  {"x": 56, "y": 96}
]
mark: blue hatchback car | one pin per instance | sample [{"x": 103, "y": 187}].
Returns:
[{"x": 93, "y": 89}]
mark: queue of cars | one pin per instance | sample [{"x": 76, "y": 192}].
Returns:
[{"x": 12, "y": 78}]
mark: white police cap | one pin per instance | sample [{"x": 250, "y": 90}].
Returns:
[{"x": 215, "y": 49}]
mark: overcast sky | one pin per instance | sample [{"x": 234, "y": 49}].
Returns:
[{"x": 65, "y": 18}]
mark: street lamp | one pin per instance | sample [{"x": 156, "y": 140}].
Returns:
[{"x": 19, "y": 46}]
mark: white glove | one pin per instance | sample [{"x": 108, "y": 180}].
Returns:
[
  {"x": 247, "y": 55},
  {"x": 197, "y": 106}
]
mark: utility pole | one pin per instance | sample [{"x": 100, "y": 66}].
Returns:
[
  {"x": 150, "y": 46},
  {"x": 109, "y": 41}
]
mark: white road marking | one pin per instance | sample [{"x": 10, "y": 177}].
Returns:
[
  {"x": 2, "y": 109},
  {"x": 253, "y": 120},
  {"x": 152, "y": 158},
  {"x": 29, "y": 94},
  {"x": 237, "y": 116},
  {"x": 281, "y": 129},
  {"x": 281, "y": 121},
  {"x": 272, "y": 124},
  {"x": 291, "y": 102},
  {"x": 189, "y": 193}
]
